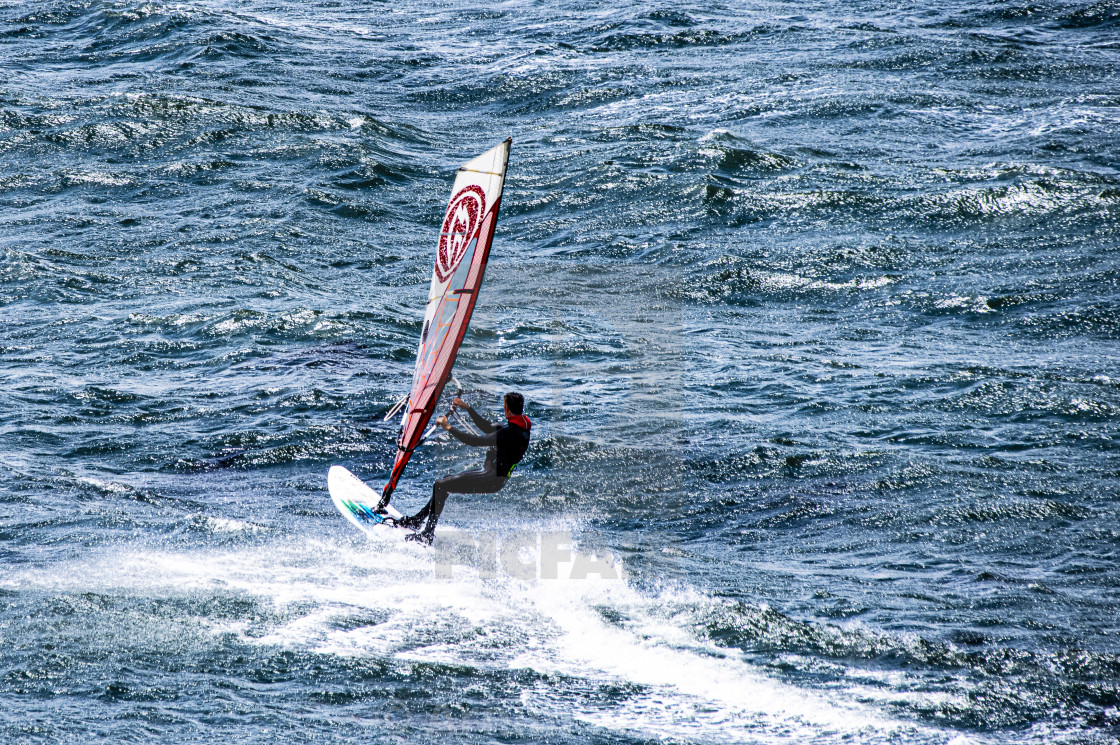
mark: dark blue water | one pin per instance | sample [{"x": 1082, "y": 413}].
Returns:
[{"x": 816, "y": 307}]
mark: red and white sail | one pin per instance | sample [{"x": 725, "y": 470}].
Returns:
[{"x": 464, "y": 247}]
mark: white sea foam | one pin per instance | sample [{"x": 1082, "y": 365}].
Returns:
[
  {"x": 108, "y": 487},
  {"x": 679, "y": 684},
  {"x": 784, "y": 281},
  {"x": 227, "y": 525}
]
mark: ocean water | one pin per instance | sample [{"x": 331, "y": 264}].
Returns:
[{"x": 815, "y": 305}]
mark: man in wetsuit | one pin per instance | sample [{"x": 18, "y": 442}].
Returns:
[{"x": 507, "y": 446}]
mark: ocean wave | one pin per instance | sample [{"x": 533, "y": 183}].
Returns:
[
  {"x": 1029, "y": 399},
  {"x": 737, "y": 279},
  {"x": 265, "y": 448},
  {"x": 1067, "y": 195},
  {"x": 732, "y": 154},
  {"x": 993, "y": 686},
  {"x": 634, "y": 39},
  {"x": 1100, "y": 319},
  {"x": 1062, "y": 15},
  {"x": 1026, "y": 199}
]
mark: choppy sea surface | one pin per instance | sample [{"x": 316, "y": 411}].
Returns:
[{"x": 815, "y": 305}]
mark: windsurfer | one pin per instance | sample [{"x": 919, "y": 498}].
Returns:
[{"x": 507, "y": 444}]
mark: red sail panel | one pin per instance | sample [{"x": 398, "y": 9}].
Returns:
[{"x": 464, "y": 247}]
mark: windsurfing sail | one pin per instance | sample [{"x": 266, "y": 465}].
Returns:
[{"x": 461, "y": 254}]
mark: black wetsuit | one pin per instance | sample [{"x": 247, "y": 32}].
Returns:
[{"x": 507, "y": 446}]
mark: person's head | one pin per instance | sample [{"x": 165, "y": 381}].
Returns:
[{"x": 514, "y": 403}]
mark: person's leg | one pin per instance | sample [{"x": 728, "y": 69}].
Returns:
[
  {"x": 418, "y": 519},
  {"x": 468, "y": 482},
  {"x": 434, "y": 505}
]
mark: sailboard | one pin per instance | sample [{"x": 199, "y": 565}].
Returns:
[
  {"x": 358, "y": 503},
  {"x": 462, "y": 251}
]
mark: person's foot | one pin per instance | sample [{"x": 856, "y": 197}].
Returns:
[
  {"x": 411, "y": 523},
  {"x": 424, "y": 539}
]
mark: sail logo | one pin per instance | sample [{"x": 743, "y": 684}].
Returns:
[{"x": 460, "y": 225}]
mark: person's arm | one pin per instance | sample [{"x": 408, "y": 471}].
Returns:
[
  {"x": 486, "y": 427},
  {"x": 478, "y": 441}
]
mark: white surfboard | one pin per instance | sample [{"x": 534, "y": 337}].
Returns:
[{"x": 358, "y": 504}]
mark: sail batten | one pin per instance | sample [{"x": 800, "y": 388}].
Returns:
[{"x": 462, "y": 251}]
